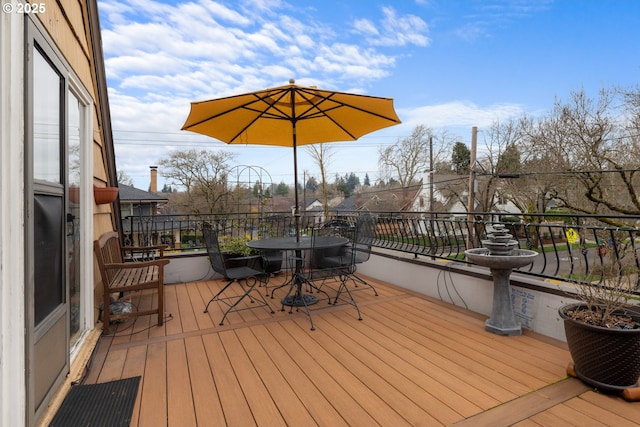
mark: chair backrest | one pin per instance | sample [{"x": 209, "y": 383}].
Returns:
[
  {"x": 108, "y": 251},
  {"x": 213, "y": 248},
  {"x": 327, "y": 262},
  {"x": 365, "y": 232}
]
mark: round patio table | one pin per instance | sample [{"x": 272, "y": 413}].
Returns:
[{"x": 298, "y": 299}]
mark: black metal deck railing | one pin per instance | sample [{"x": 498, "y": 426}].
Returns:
[{"x": 570, "y": 246}]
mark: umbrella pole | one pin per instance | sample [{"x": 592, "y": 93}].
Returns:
[{"x": 296, "y": 209}]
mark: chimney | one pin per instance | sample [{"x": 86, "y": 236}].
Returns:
[{"x": 153, "y": 187}]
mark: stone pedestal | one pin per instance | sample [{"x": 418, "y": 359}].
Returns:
[{"x": 502, "y": 321}]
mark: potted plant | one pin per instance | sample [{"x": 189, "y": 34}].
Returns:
[
  {"x": 603, "y": 327},
  {"x": 235, "y": 246},
  {"x": 236, "y": 253}
]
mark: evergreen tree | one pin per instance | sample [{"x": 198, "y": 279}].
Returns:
[
  {"x": 460, "y": 158},
  {"x": 282, "y": 189}
]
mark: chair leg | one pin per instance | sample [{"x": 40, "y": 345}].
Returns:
[
  {"x": 312, "y": 285},
  {"x": 250, "y": 288},
  {"x": 206, "y": 308},
  {"x": 285, "y": 283},
  {"x": 343, "y": 287},
  {"x": 356, "y": 278},
  {"x": 297, "y": 290}
]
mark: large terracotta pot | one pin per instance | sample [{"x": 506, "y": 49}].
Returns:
[{"x": 605, "y": 358}]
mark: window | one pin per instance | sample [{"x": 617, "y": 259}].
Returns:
[
  {"x": 49, "y": 289},
  {"x": 47, "y": 117}
]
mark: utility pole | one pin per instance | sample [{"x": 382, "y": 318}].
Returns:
[
  {"x": 431, "y": 176},
  {"x": 431, "y": 213},
  {"x": 472, "y": 188}
]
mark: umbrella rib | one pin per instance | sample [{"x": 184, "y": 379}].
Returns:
[
  {"x": 346, "y": 105},
  {"x": 264, "y": 112},
  {"x": 260, "y": 113},
  {"x": 245, "y": 106},
  {"x": 319, "y": 112}
]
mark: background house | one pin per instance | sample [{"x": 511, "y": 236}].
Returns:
[
  {"x": 451, "y": 194},
  {"x": 136, "y": 205}
]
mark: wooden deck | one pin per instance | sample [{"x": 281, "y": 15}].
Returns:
[{"x": 411, "y": 361}]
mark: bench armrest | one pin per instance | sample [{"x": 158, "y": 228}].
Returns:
[
  {"x": 138, "y": 264},
  {"x": 145, "y": 248}
]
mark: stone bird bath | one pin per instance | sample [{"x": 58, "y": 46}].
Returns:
[{"x": 500, "y": 254}]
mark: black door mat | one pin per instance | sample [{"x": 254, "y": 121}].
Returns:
[{"x": 98, "y": 405}]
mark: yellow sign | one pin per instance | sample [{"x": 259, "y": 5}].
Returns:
[{"x": 572, "y": 236}]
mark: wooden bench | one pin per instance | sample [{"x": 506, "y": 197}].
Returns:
[{"x": 120, "y": 276}]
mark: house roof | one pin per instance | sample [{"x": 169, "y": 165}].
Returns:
[
  {"x": 348, "y": 204},
  {"x": 132, "y": 194}
]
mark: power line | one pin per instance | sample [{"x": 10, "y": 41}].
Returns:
[{"x": 566, "y": 172}]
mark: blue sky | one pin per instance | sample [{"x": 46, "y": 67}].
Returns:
[{"x": 449, "y": 65}]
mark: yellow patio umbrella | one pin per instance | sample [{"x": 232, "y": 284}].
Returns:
[{"x": 291, "y": 116}]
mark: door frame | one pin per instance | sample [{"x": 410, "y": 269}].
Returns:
[{"x": 35, "y": 34}]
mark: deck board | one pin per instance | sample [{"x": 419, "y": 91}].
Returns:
[
  {"x": 295, "y": 391},
  {"x": 477, "y": 370},
  {"x": 419, "y": 376},
  {"x": 153, "y": 400},
  {"x": 264, "y": 411},
  {"x": 205, "y": 392},
  {"x": 275, "y": 383},
  {"x": 235, "y": 408},
  {"x": 411, "y": 361},
  {"x": 467, "y": 339},
  {"x": 308, "y": 372},
  {"x": 180, "y": 407}
]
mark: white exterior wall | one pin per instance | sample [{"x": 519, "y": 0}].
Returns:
[{"x": 12, "y": 287}]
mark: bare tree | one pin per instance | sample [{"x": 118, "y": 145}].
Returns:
[
  {"x": 594, "y": 144},
  {"x": 410, "y": 157},
  {"x": 500, "y": 159},
  {"x": 125, "y": 179},
  {"x": 501, "y": 162},
  {"x": 203, "y": 176},
  {"x": 322, "y": 154}
]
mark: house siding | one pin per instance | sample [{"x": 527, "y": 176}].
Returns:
[{"x": 66, "y": 24}]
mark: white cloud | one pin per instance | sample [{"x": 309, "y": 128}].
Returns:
[
  {"x": 485, "y": 16},
  {"x": 462, "y": 114},
  {"x": 206, "y": 38},
  {"x": 365, "y": 26},
  {"x": 161, "y": 56},
  {"x": 394, "y": 30}
]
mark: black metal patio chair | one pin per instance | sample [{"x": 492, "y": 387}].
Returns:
[
  {"x": 358, "y": 251},
  {"x": 362, "y": 242},
  {"x": 332, "y": 264},
  {"x": 247, "y": 276}
]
